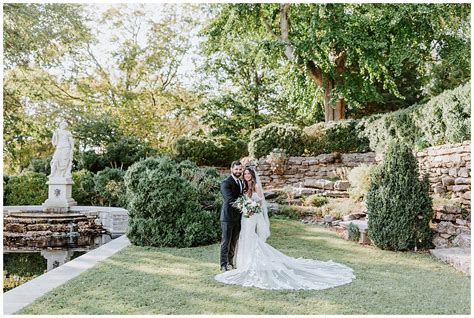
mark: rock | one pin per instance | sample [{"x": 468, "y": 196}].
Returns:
[
  {"x": 434, "y": 179},
  {"x": 361, "y": 224},
  {"x": 342, "y": 185},
  {"x": 440, "y": 242},
  {"x": 329, "y": 218},
  {"x": 270, "y": 195},
  {"x": 272, "y": 207},
  {"x": 37, "y": 227},
  {"x": 463, "y": 172},
  {"x": 445, "y": 235},
  {"x": 438, "y": 188},
  {"x": 295, "y": 160},
  {"x": 452, "y": 209},
  {"x": 460, "y": 188},
  {"x": 467, "y": 195},
  {"x": 319, "y": 183},
  {"x": 462, "y": 181},
  {"x": 326, "y": 158},
  {"x": 447, "y": 181},
  {"x": 462, "y": 240},
  {"x": 452, "y": 172},
  {"x": 15, "y": 227},
  {"x": 348, "y": 217}
]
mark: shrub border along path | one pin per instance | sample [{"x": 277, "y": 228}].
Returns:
[{"x": 148, "y": 280}]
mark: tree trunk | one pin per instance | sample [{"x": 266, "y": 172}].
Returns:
[{"x": 338, "y": 111}]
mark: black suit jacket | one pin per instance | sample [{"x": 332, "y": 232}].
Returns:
[{"x": 230, "y": 191}]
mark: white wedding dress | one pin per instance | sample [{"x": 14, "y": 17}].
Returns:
[{"x": 260, "y": 265}]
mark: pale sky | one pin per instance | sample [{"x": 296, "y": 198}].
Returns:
[{"x": 153, "y": 11}]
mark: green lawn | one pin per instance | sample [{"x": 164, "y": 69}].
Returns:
[{"x": 141, "y": 280}]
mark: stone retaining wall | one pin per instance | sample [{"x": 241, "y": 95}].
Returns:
[
  {"x": 314, "y": 172},
  {"x": 449, "y": 170},
  {"x": 448, "y": 167}
]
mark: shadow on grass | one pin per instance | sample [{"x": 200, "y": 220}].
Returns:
[{"x": 146, "y": 280}]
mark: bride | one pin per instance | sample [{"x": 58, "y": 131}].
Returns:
[{"x": 259, "y": 264}]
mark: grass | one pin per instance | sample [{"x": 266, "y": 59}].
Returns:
[{"x": 141, "y": 280}]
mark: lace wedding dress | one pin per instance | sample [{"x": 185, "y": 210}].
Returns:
[{"x": 260, "y": 265}]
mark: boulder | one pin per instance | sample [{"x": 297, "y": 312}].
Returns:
[
  {"x": 342, "y": 185},
  {"x": 329, "y": 218},
  {"x": 463, "y": 172},
  {"x": 460, "y": 188},
  {"x": 462, "y": 181},
  {"x": 270, "y": 195},
  {"x": 319, "y": 183},
  {"x": 462, "y": 240},
  {"x": 447, "y": 181}
]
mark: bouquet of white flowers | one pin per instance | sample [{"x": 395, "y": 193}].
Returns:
[{"x": 246, "y": 206}]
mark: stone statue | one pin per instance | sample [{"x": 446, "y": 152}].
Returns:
[{"x": 61, "y": 164}]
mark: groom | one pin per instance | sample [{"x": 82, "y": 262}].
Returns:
[{"x": 231, "y": 189}]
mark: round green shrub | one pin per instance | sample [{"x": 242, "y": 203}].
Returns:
[
  {"x": 164, "y": 204},
  {"x": 28, "y": 188},
  {"x": 90, "y": 160},
  {"x": 398, "y": 203},
  {"x": 315, "y": 200},
  {"x": 354, "y": 232},
  {"x": 271, "y": 136},
  {"x": 83, "y": 189},
  {"x": 41, "y": 165},
  {"x": 108, "y": 184},
  {"x": 335, "y": 136},
  {"x": 216, "y": 151},
  {"x": 126, "y": 151}
]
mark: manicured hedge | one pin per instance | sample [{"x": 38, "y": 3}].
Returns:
[
  {"x": 216, "y": 151},
  {"x": 335, "y": 136},
  {"x": 444, "y": 119},
  {"x": 271, "y": 136}
]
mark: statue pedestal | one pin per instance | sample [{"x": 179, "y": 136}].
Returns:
[{"x": 59, "y": 195}]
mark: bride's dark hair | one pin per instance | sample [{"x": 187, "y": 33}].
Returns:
[{"x": 254, "y": 181}]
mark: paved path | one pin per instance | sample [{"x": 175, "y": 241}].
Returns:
[
  {"x": 25, "y": 294},
  {"x": 458, "y": 257}
]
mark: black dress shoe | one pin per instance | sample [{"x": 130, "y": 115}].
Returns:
[{"x": 233, "y": 266}]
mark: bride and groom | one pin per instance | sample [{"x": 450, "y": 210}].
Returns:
[{"x": 246, "y": 259}]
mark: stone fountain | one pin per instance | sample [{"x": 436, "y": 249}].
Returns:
[{"x": 58, "y": 227}]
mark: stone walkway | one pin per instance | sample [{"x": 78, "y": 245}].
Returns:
[
  {"x": 25, "y": 294},
  {"x": 458, "y": 257}
]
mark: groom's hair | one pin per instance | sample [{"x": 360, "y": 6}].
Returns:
[{"x": 235, "y": 163}]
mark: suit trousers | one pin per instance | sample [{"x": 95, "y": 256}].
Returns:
[{"x": 230, "y": 236}]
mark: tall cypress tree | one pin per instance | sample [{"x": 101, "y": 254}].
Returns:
[{"x": 398, "y": 202}]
